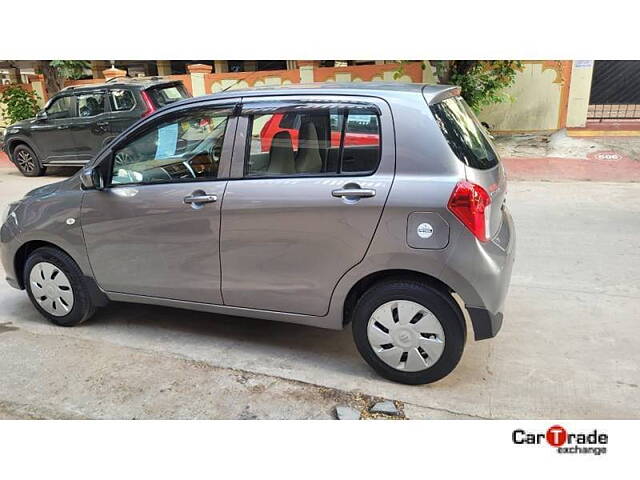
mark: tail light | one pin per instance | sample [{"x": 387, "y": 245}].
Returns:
[
  {"x": 469, "y": 203},
  {"x": 148, "y": 103}
]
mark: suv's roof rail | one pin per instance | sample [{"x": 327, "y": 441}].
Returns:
[{"x": 119, "y": 78}]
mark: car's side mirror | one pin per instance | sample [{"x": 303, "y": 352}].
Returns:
[
  {"x": 41, "y": 115},
  {"x": 91, "y": 179}
]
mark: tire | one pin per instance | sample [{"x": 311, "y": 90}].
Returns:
[
  {"x": 27, "y": 161},
  {"x": 427, "y": 324},
  {"x": 63, "y": 297}
]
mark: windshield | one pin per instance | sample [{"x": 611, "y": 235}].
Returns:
[{"x": 464, "y": 133}]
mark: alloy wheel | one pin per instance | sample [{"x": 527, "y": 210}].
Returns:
[{"x": 26, "y": 162}]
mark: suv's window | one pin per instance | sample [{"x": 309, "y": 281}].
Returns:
[
  {"x": 186, "y": 148},
  {"x": 60, "y": 108},
  {"x": 121, "y": 100},
  {"x": 90, "y": 104},
  {"x": 313, "y": 142},
  {"x": 464, "y": 133},
  {"x": 162, "y": 96}
]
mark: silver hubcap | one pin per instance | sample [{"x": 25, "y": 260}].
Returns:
[
  {"x": 25, "y": 161},
  {"x": 406, "y": 335},
  {"x": 51, "y": 289}
]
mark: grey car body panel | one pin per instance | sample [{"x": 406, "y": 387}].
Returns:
[
  {"x": 426, "y": 171},
  {"x": 276, "y": 231},
  {"x": 145, "y": 240}
]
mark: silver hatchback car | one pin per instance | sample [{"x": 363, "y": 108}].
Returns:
[{"x": 323, "y": 205}]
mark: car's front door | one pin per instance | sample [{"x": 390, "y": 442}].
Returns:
[
  {"x": 90, "y": 126},
  {"x": 52, "y": 134},
  {"x": 154, "y": 230},
  {"x": 297, "y": 215}
]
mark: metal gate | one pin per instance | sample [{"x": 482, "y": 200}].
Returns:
[{"x": 615, "y": 90}]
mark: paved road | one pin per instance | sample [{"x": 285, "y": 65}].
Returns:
[{"x": 569, "y": 347}]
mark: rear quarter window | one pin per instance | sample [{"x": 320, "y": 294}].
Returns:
[
  {"x": 464, "y": 133},
  {"x": 164, "y": 95}
]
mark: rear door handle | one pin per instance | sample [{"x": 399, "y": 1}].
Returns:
[
  {"x": 102, "y": 124},
  {"x": 200, "y": 198},
  {"x": 354, "y": 192},
  {"x": 62, "y": 127}
]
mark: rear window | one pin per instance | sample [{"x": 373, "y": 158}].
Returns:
[
  {"x": 164, "y": 95},
  {"x": 466, "y": 136}
]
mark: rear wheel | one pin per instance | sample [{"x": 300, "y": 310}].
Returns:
[
  {"x": 55, "y": 286},
  {"x": 27, "y": 161},
  {"x": 408, "y": 331}
]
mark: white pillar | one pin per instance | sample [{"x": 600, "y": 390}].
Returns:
[{"x": 579, "y": 93}]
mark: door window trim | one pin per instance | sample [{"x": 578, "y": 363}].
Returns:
[{"x": 106, "y": 162}]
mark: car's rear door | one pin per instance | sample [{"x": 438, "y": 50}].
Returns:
[
  {"x": 126, "y": 107},
  {"x": 296, "y": 218},
  {"x": 90, "y": 127},
  {"x": 154, "y": 231}
]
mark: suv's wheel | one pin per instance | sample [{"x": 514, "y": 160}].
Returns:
[
  {"x": 27, "y": 161},
  {"x": 408, "y": 331},
  {"x": 56, "y": 288}
]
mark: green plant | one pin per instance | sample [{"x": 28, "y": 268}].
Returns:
[
  {"x": 70, "y": 69},
  {"x": 482, "y": 81},
  {"x": 18, "y": 103}
]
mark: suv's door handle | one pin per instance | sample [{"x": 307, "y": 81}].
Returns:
[
  {"x": 354, "y": 192},
  {"x": 62, "y": 127},
  {"x": 204, "y": 198},
  {"x": 102, "y": 124}
]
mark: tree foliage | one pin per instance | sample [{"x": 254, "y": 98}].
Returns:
[
  {"x": 70, "y": 69},
  {"x": 483, "y": 82},
  {"x": 18, "y": 103}
]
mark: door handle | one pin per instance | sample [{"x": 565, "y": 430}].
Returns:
[
  {"x": 102, "y": 124},
  {"x": 200, "y": 198},
  {"x": 354, "y": 192},
  {"x": 62, "y": 127}
]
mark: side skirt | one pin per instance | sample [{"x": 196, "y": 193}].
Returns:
[{"x": 309, "y": 320}]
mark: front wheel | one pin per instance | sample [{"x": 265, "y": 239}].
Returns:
[
  {"x": 55, "y": 285},
  {"x": 27, "y": 161},
  {"x": 408, "y": 331}
]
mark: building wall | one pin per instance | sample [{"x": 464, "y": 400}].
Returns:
[
  {"x": 537, "y": 100},
  {"x": 547, "y": 95}
]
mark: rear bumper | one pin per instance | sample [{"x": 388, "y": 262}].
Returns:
[
  {"x": 480, "y": 273},
  {"x": 485, "y": 324}
]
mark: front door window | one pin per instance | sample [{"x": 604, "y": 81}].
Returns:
[
  {"x": 186, "y": 148},
  {"x": 59, "y": 108}
]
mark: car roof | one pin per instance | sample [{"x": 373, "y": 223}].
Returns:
[
  {"x": 432, "y": 93},
  {"x": 141, "y": 82}
]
